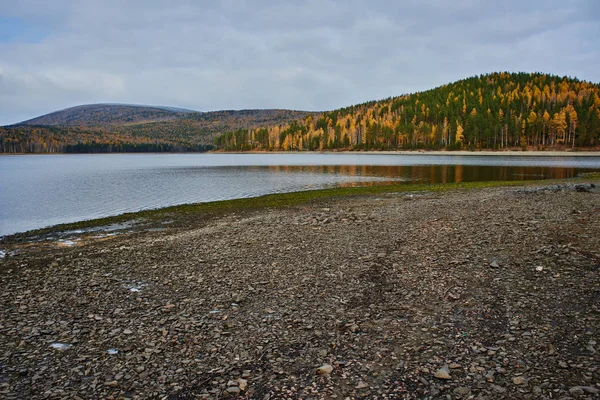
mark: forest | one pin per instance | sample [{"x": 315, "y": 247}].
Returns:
[
  {"x": 116, "y": 128},
  {"x": 529, "y": 111}
]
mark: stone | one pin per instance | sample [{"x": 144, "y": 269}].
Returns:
[
  {"x": 361, "y": 385},
  {"x": 498, "y": 388},
  {"x": 242, "y": 384},
  {"x": 233, "y": 390},
  {"x": 494, "y": 264},
  {"x": 519, "y": 380},
  {"x": 443, "y": 373},
  {"x": 324, "y": 369},
  {"x": 581, "y": 390},
  {"x": 462, "y": 390}
]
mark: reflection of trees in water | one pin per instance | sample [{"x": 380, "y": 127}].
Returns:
[{"x": 435, "y": 173}]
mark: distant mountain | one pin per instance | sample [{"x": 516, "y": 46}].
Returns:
[
  {"x": 494, "y": 111},
  {"x": 132, "y": 128},
  {"x": 98, "y": 115}
]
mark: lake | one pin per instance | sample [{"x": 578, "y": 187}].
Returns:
[{"x": 43, "y": 190}]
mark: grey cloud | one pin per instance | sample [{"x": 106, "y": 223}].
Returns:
[{"x": 311, "y": 54}]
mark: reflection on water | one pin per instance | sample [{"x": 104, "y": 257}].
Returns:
[
  {"x": 435, "y": 173},
  {"x": 37, "y": 191}
]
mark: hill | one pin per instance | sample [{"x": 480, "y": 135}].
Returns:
[
  {"x": 132, "y": 128},
  {"x": 96, "y": 115},
  {"x": 494, "y": 111}
]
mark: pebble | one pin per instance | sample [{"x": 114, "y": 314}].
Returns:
[
  {"x": 443, "y": 373},
  {"x": 519, "y": 380},
  {"x": 584, "y": 389},
  {"x": 462, "y": 390},
  {"x": 325, "y": 369}
]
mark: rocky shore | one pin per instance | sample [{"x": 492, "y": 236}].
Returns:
[{"x": 488, "y": 294}]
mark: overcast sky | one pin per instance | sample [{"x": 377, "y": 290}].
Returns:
[{"x": 309, "y": 55}]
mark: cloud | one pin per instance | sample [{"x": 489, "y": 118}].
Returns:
[{"x": 313, "y": 54}]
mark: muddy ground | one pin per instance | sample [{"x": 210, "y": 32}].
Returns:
[{"x": 490, "y": 294}]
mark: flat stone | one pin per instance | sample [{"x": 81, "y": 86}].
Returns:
[
  {"x": 519, "y": 380},
  {"x": 584, "y": 389},
  {"x": 462, "y": 390},
  {"x": 325, "y": 369},
  {"x": 443, "y": 373}
]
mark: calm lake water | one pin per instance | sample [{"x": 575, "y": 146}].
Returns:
[{"x": 43, "y": 190}]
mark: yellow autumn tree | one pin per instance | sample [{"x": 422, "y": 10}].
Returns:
[{"x": 460, "y": 137}]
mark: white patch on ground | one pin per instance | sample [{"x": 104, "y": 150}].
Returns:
[
  {"x": 135, "y": 287},
  {"x": 2, "y": 254},
  {"x": 61, "y": 346},
  {"x": 112, "y": 351}
]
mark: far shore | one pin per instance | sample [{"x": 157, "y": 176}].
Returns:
[
  {"x": 533, "y": 153},
  {"x": 528, "y": 153}
]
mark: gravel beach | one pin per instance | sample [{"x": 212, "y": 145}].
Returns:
[{"x": 489, "y": 293}]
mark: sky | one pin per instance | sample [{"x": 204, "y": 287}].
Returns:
[{"x": 304, "y": 55}]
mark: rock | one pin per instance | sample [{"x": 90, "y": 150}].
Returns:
[
  {"x": 494, "y": 264},
  {"x": 581, "y": 390},
  {"x": 587, "y": 188},
  {"x": 233, "y": 390},
  {"x": 454, "y": 366},
  {"x": 354, "y": 328},
  {"x": 324, "y": 369},
  {"x": 462, "y": 390},
  {"x": 361, "y": 385},
  {"x": 498, "y": 388},
  {"x": 443, "y": 373},
  {"x": 519, "y": 380},
  {"x": 576, "y": 390},
  {"x": 563, "y": 365},
  {"x": 112, "y": 384},
  {"x": 452, "y": 296},
  {"x": 242, "y": 384}
]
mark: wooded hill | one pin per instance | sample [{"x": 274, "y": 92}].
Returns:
[
  {"x": 128, "y": 128},
  {"x": 495, "y": 111}
]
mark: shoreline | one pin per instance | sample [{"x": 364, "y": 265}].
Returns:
[
  {"x": 277, "y": 200},
  {"x": 549, "y": 153},
  {"x": 481, "y": 291},
  {"x": 532, "y": 153}
]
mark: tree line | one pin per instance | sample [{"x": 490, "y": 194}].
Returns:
[
  {"x": 494, "y": 111},
  {"x": 47, "y": 140}
]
